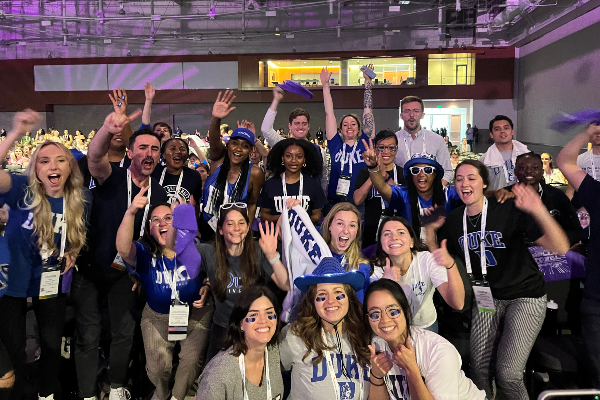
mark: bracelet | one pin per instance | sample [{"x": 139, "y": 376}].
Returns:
[
  {"x": 452, "y": 266},
  {"x": 275, "y": 259},
  {"x": 376, "y": 377},
  {"x": 373, "y": 167},
  {"x": 371, "y": 171}
]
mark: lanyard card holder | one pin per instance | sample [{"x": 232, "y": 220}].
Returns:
[
  {"x": 118, "y": 263},
  {"x": 178, "y": 320},
  {"x": 483, "y": 296},
  {"x": 343, "y": 186},
  {"x": 50, "y": 280}
]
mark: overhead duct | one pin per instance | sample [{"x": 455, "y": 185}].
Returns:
[{"x": 512, "y": 13}]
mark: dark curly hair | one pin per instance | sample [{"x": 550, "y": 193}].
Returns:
[{"x": 313, "y": 165}]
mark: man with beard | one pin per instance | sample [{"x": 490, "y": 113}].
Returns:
[
  {"x": 413, "y": 139},
  {"x": 117, "y": 155},
  {"x": 101, "y": 274}
]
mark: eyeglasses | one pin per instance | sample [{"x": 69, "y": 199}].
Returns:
[
  {"x": 391, "y": 311},
  {"x": 391, "y": 149},
  {"x": 583, "y": 215},
  {"x": 417, "y": 170},
  {"x": 408, "y": 111},
  {"x": 157, "y": 220}
]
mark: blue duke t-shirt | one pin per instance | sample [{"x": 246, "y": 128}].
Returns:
[
  {"x": 156, "y": 275},
  {"x": 25, "y": 270},
  {"x": 336, "y": 149}
]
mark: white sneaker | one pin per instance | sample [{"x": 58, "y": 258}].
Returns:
[
  {"x": 51, "y": 397},
  {"x": 119, "y": 394}
]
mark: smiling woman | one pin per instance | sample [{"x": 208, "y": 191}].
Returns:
[{"x": 45, "y": 232}]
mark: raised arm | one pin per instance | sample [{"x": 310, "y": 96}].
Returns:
[
  {"x": 221, "y": 109},
  {"x": 150, "y": 92},
  {"x": 119, "y": 100},
  {"x": 268, "y": 244},
  {"x": 125, "y": 245},
  {"x": 23, "y": 122},
  {"x": 375, "y": 172},
  {"x": 98, "y": 163},
  {"x": 267, "y": 125},
  {"x": 257, "y": 180},
  {"x": 554, "y": 237},
  {"x": 368, "y": 120},
  {"x": 330, "y": 122},
  {"x": 567, "y": 158},
  {"x": 453, "y": 291}
]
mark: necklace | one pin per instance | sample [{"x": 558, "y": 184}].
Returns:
[{"x": 474, "y": 218}]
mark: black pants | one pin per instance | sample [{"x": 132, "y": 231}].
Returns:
[
  {"x": 87, "y": 296},
  {"x": 215, "y": 341},
  {"x": 50, "y": 316}
]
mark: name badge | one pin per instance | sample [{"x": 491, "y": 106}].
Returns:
[
  {"x": 483, "y": 297},
  {"x": 213, "y": 223},
  {"x": 343, "y": 186},
  {"x": 178, "y": 321},
  {"x": 118, "y": 263},
  {"x": 49, "y": 281}
]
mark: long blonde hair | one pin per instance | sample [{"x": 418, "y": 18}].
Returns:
[
  {"x": 353, "y": 254},
  {"x": 36, "y": 201}
]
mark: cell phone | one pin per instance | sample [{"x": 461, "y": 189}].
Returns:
[
  {"x": 370, "y": 73},
  {"x": 438, "y": 212}
]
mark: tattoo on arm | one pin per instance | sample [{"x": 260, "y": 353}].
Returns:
[
  {"x": 368, "y": 123},
  {"x": 368, "y": 98}
]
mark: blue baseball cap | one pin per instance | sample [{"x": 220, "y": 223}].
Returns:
[
  {"x": 243, "y": 133},
  {"x": 330, "y": 270}
]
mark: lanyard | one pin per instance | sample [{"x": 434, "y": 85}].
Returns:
[
  {"x": 122, "y": 160},
  {"x": 44, "y": 253},
  {"x": 407, "y": 146},
  {"x": 388, "y": 384},
  {"x": 162, "y": 178},
  {"x": 299, "y": 190},
  {"x": 129, "y": 199},
  {"x": 482, "y": 256},
  {"x": 226, "y": 196},
  {"x": 267, "y": 377},
  {"x": 336, "y": 387},
  {"x": 343, "y": 161},
  {"x": 395, "y": 181},
  {"x": 592, "y": 162},
  {"x": 174, "y": 278}
]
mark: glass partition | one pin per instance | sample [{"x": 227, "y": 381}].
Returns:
[{"x": 451, "y": 69}]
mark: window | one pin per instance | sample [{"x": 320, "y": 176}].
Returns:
[
  {"x": 451, "y": 69},
  {"x": 345, "y": 72}
]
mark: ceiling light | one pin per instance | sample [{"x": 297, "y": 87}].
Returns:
[{"x": 121, "y": 9}]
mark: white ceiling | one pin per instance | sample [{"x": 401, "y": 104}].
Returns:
[{"x": 151, "y": 28}]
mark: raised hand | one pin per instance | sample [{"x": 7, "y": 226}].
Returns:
[
  {"x": 222, "y": 107},
  {"x": 246, "y": 124},
  {"x": 325, "y": 77},
  {"x": 404, "y": 356},
  {"x": 268, "y": 239},
  {"x": 526, "y": 199},
  {"x": 380, "y": 363},
  {"x": 278, "y": 93},
  {"x": 442, "y": 257},
  {"x": 119, "y": 101},
  {"x": 139, "y": 201},
  {"x": 369, "y": 154},
  {"x": 25, "y": 121},
  {"x": 149, "y": 91},
  {"x": 390, "y": 272},
  {"x": 115, "y": 123}
]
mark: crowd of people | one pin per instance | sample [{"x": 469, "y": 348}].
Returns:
[{"x": 357, "y": 230}]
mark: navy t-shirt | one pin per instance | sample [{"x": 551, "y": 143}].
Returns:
[
  {"x": 588, "y": 195},
  {"x": 191, "y": 184},
  {"x": 272, "y": 197},
  {"x": 88, "y": 181},
  {"x": 25, "y": 270},
  {"x": 336, "y": 149},
  {"x": 110, "y": 204},
  {"x": 156, "y": 275}
]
